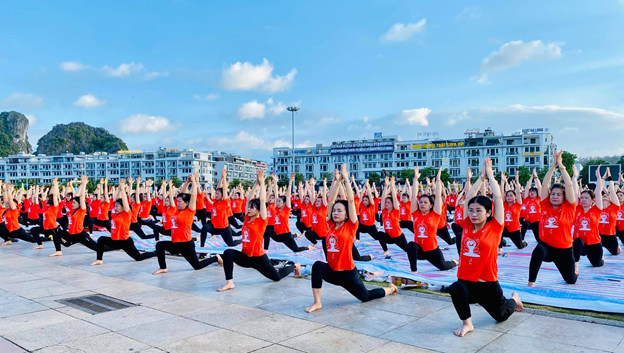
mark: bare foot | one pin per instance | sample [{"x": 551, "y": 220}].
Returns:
[
  {"x": 519, "y": 305},
  {"x": 38, "y": 247},
  {"x": 357, "y": 240},
  {"x": 161, "y": 270},
  {"x": 371, "y": 256},
  {"x": 229, "y": 285},
  {"x": 297, "y": 270},
  {"x": 314, "y": 307},
  {"x": 213, "y": 237},
  {"x": 500, "y": 251},
  {"x": 219, "y": 260},
  {"x": 531, "y": 284},
  {"x": 456, "y": 262},
  {"x": 7, "y": 243},
  {"x": 576, "y": 269},
  {"x": 55, "y": 254},
  {"x": 310, "y": 247},
  {"x": 464, "y": 330},
  {"x": 394, "y": 288},
  {"x": 197, "y": 238},
  {"x": 97, "y": 263}
]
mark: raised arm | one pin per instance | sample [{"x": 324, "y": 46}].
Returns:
[
  {"x": 83, "y": 191},
  {"x": 105, "y": 190},
  {"x": 324, "y": 192},
  {"x": 122, "y": 195},
  {"x": 499, "y": 207},
  {"x": 599, "y": 188},
  {"x": 612, "y": 191},
  {"x": 350, "y": 197},
  {"x": 517, "y": 189},
  {"x": 474, "y": 189},
  {"x": 545, "y": 189},
  {"x": 437, "y": 203},
  {"x": 395, "y": 199},
  {"x": 333, "y": 193},
  {"x": 569, "y": 190},
  {"x": 289, "y": 193},
  {"x": 414, "y": 195},
  {"x": 55, "y": 192}
]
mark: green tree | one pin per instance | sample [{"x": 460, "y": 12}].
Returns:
[
  {"x": 568, "y": 160},
  {"x": 374, "y": 178},
  {"x": 299, "y": 178},
  {"x": 91, "y": 186},
  {"x": 524, "y": 174},
  {"x": 427, "y": 172},
  {"x": 235, "y": 182},
  {"x": 541, "y": 173},
  {"x": 406, "y": 174},
  {"x": 584, "y": 174},
  {"x": 283, "y": 181},
  {"x": 248, "y": 183},
  {"x": 176, "y": 182},
  {"x": 445, "y": 176}
]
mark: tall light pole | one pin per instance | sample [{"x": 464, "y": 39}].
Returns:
[{"x": 293, "y": 110}]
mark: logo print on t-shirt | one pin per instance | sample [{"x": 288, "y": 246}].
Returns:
[
  {"x": 402, "y": 211},
  {"x": 604, "y": 218},
  {"x": 532, "y": 209},
  {"x": 277, "y": 220},
  {"x": 584, "y": 224},
  {"x": 471, "y": 248},
  {"x": 388, "y": 224},
  {"x": 422, "y": 231},
  {"x": 113, "y": 224},
  {"x": 173, "y": 223},
  {"x": 246, "y": 235},
  {"x": 214, "y": 212},
  {"x": 508, "y": 217},
  {"x": 333, "y": 244},
  {"x": 304, "y": 213},
  {"x": 69, "y": 221},
  {"x": 620, "y": 216},
  {"x": 459, "y": 216},
  {"x": 314, "y": 219},
  {"x": 551, "y": 223},
  {"x": 365, "y": 216}
]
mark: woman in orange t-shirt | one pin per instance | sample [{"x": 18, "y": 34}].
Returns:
[
  {"x": 182, "y": 242},
  {"x": 49, "y": 226},
  {"x": 221, "y": 210},
  {"x": 368, "y": 211},
  {"x": 533, "y": 204},
  {"x": 140, "y": 209},
  {"x": 513, "y": 206},
  {"x": 305, "y": 222},
  {"x": 12, "y": 229},
  {"x": 252, "y": 254},
  {"x": 619, "y": 224},
  {"x": 555, "y": 233},
  {"x": 103, "y": 207},
  {"x": 608, "y": 217},
  {"x": 340, "y": 269},
  {"x": 390, "y": 218},
  {"x": 237, "y": 204},
  {"x": 120, "y": 230},
  {"x": 318, "y": 229},
  {"x": 477, "y": 274},
  {"x": 167, "y": 210},
  {"x": 426, "y": 214},
  {"x": 587, "y": 239}
]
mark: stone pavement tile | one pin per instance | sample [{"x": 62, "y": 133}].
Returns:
[
  {"x": 186, "y": 306},
  {"x": 511, "y": 343},
  {"x": 108, "y": 342},
  {"x": 439, "y": 336},
  {"x": 16, "y": 278},
  {"x": 365, "y": 320},
  {"x": 126, "y": 318},
  {"x": 52, "y": 302},
  {"x": 125, "y": 289},
  {"x": 620, "y": 348},
  {"x": 227, "y": 315},
  {"x": 45, "y": 292},
  {"x": 330, "y": 339},
  {"x": 54, "y": 334},
  {"x": 9, "y": 347},
  {"x": 408, "y": 305},
  {"x": 33, "y": 284},
  {"x": 276, "y": 348},
  {"x": 570, "y": 332},
  {"x": 217, "y": 341},
  {"x": 275, "y": 328},
  {"x": 480, "y": 319},
  {"x": 32, "y": 320},
  {"x": 295, "y": 306},
  {"x": 255, "y": 295},
  {"x": 59, "y": 348},
  {"x": 73, "y": 312},
  {"x": 395, "y": 347},
  {"x": 10, "y": 306},
  {"x": 156, "y": 296},
  {"x": 152, "y": 350},
  {"x": 163, "y": 333}
]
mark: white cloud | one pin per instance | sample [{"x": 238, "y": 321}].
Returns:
[
  {"x": 569, "y": 129},
  {"x": 277, "y": 109},
  {"x": 244, "y": 141},
  {"x": 89, "y": 101},
  {"x": 123, "y": 69},
  {"x": 470, "y": 13},
  {"x": 401, "y": 32},
  {"x": 22, "y": 101},
  {"x": 414, "y": 117},
  {"x": 329, "y": 121},
  {"x": 210, "y": 97},
  {"x": 142, "y": 123},
  {"x": 454, "y": 119},
  {"x": 514, "y": 53},
  {"x": 32, "y": 119},
  {"x": 252, "y": 110},
  {"x": 154, "y": 75},
  {"x": 610, "y": 115},
  {"x": 249, "y": 77},
  {"x": 73, "y": 66}
]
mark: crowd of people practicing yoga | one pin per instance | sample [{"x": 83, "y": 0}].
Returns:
[{"x": 567, "y": 219}]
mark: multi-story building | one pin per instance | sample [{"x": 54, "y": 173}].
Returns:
[
  {"x": 528, "y": 147},
  {"x": 162, "y": 164}
]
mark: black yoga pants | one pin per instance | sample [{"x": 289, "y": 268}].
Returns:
[
  {"x": 184, "y": 248},
  {"x": 610, "y": 243},
  {"x": 385, "y": 239},
  {"x": 487, "y": 294},
  {"x": 563, "y": 259},
  {"x": 593, "y": 252},
  {"x": 260, "y": 263},
  {"x": 516, "y": 238},
  {"x": 435, "y": 257},
  {"x": 348, "y": 279},
  {"x": 125, "y": 245},
  {"x": 225, "y": 233}
]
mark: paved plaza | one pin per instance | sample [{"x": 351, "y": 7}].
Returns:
[{"x": 182, "y": 312}]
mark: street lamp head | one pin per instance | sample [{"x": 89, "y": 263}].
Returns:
[{"x": 292, "y": 109}]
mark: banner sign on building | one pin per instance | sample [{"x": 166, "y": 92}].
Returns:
[
  {"x": 438, "y": 144},
  {"x": 362, "y": 147},
  {"x": 534, "y": 130},
  {"x": 378, "y": 135}
]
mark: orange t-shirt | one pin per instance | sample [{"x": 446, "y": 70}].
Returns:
[
  {"x": 586, "y": 225},
  {"x": 357, "y": 202},
  {"x": 166, "y": 217},
  {"x": 75, "y": 221},
  {"x": 11, "y": 219},
  {"x": 523, "y": 209},
  {"x": 367, "y": 214},
  {"x": 479, "y": 251},
  {"x": 181, "y": 224},
  {"x": 340, "y": 245},
  {"x": 281, "y": 220},
  {"x": 253, "y": 236},
  {"x": 426, "y": 229},
  {"x": 512, "y": 216},
  {"x": 319, "y": 220},
  {"x": 533, "y": 209},
  {"x": 136, "y": 208},
  {"x": 391, "y": 222},
  {"x": 451, "y": 200},
  {"x": 201, "y": 204},
  {"x": 220, "y": 212},
  {"x": 459, "y": 214},
  {"x": 306, "y": 214},
  {"x": 95, "y": 208},
  {"x": 103, "y": 211},
  {"x": 33, "y": 210},
  {"x": 120, "y": 226},
  {"x": 146, "y": 207},
  {"x": 2, "y": 210},
  {"x": 608, "y": 217},
  {"x": 619, "y": 224},
  {"x": 406, "y": 210},
  {"x": 442, "y": 223},
  {"x": 556, "y": 224},
  {"x": 237, "y": 205},
  {"x": 271, "y": 214},
  {"x": 49, "y": 217}
]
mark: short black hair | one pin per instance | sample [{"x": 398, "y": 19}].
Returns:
[{"x": 483, "y": 201}]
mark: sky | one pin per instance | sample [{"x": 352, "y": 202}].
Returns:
[{"x": 219, "y": 75}]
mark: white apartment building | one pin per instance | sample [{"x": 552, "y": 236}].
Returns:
[
  {"x": 528, "y": 147},
  {"x": 160, "y": 164},
  {"x": 236, "y": 166}
]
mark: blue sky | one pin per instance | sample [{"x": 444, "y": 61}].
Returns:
[{"x": 218, "y": 75}]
